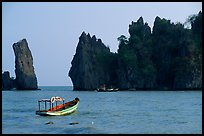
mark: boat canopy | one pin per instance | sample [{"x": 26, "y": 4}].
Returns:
[
  {"x": 52, "y": 99},
  {"x": 44, "y": 100}
]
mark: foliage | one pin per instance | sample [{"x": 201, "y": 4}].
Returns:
[
  {"x": 170, "y": 51},
  {"x": 160, "y": 59}
]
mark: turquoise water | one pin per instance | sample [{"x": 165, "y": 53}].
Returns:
[{"x": 122, "y": 112}]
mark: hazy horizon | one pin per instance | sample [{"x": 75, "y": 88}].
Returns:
[{"x": 52, "y": 30}]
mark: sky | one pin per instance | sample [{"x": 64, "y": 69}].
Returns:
[{"x": 52, "y": 30}]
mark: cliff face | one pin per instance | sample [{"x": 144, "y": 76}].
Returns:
[
  {"x": 169, "y": 58},
  {"x": 25, "y": 75},
  {"x": 89, "y": 69},
  {"x": 134, "y": 63},
  {"x": 177, "y": 55},
  {"x": 189, "y": 69}
]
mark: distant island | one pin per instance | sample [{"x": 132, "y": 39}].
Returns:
[{"x": 168, "y": 58}]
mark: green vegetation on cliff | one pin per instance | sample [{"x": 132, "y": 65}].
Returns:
[{"x": 169, "y": 57}]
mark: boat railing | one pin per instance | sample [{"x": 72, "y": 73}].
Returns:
[{"x": 51, "y": 102}]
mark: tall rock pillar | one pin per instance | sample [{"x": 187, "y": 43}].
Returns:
[{"x": 25, "y": 74}]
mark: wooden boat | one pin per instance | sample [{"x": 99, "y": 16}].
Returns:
[{"x": 61, "y": 109}]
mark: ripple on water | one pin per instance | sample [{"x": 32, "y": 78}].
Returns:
[
  {"x": 122, "y": 112},
  {"x": 90, "y": 129}
]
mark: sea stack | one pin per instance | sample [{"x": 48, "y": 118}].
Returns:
[
  {"x": 24, "y": 69},
  {"x": 6, "y": 81},
  {"x": 90, "y": 65}
]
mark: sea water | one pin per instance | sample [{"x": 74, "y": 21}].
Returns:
[{"x": 121, "y": 112}]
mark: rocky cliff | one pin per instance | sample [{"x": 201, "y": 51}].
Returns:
[
  {"x": 135, "y": 66},
  {"x": 177, "y": 54},
  {"x": 90, "y": 67},
  {"x": 168, "y": 58},
  {"x": 24, "y": 69}
]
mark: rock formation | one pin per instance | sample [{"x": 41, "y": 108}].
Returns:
[
  {"x": 134, "y": 62},
  {"x": 90, "y": 68},
  {"x": 177, "y": 55},
  {"x": 24, "y": 70},
  {"x": 169, "y": 58},
  {"x": 6, "y": 81}
]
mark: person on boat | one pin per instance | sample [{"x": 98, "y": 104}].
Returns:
[{"x": 75, "y": 100}]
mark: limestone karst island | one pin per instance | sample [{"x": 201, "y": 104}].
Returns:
[
  {"x": 167, "y": 58},
  {"x": 24, "y": 69}
]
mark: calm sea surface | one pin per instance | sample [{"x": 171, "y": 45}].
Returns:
[{"x": 129, "y": 112}]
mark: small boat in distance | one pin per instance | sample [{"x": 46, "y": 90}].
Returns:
[
  {"x": 104, "y": 89},
  {"x": 61, "y": 109}
]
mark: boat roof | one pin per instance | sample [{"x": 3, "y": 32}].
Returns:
[
  {"x": 56, "y": 98},
  {"x": 43, "y": 100}
]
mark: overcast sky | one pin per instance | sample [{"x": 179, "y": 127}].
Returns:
[{"x": 52, "y": 30}]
